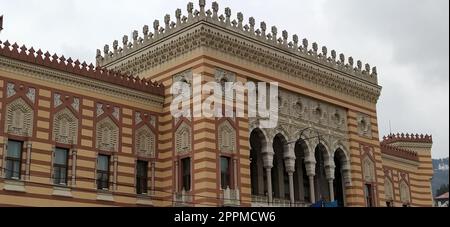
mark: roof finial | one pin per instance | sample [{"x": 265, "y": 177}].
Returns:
[
  {"x": 215, "y": 8},
  {"x": 240, "y": 18},
  {"x": 115, "y": 46},
  {"x": 295, "y": 39},
  {"x": 228, "y": 15},
  {"x": 342, "y": 59},
  {"x": 156, "y": 27},
  {"x": 305, "y": 45},
  {"x": 274, "y": 33},
  {"x": 178, "y": 16},
  {"x": 190, "y": 9},
  {"x": 251, "y": 21},
  {"x": 324, "y": 52},
  {"x": 263, "y": 29},
  {"x": 350, "y": 62},
  {"x": 285, "y": 36},
  {"x": 167, "y": 22},
  {"x": 202, "y": 4}
]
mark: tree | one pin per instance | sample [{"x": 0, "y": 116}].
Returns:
[{"x": 443, "y": 189}]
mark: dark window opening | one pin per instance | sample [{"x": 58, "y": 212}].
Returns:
[
  {"x": 142, "y": 177},
  {"x": 186, "y": 174},
  {"x": 103, "y": 172},
  {"x": 60, "y": 164},
  {"x": 225, "y": 172},
  {"x": 13, "y": 160},
  {"x": 369, "y": 194}
]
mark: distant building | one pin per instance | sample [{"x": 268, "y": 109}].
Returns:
[{"x": 442, "y": 200}]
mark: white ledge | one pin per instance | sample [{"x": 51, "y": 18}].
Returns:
[
  {"x": 14, "y": 185},
  {"x": 105, "y": 196},
  {"x": 62, "y": 191},
  {"x": 144, "y": 200}
]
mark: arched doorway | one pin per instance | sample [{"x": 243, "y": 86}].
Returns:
[
  {"x": 280, "y": 178},
  {"x": 320, "y": 179},
  {"x": 301, "y": 181},
  {"x": 257, "y": 174},
  {"x": 338, "y": 186}
]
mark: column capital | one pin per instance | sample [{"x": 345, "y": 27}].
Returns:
[
  {"x": 310, "y": 165},
  {"x": 268, "y": 154},
  {"x": 289, "y": 163},
  {"x": 329, "y": 171}
]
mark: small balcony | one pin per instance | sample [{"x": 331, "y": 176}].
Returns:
[
  {"x": 182, "y": 199},
  {"x": 263, "y": 201},
  {"x": 230, "y": 197}
]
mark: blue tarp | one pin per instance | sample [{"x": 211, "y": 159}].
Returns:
[{"x": 322, "y": 203}]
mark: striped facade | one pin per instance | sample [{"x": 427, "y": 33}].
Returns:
[{"x": 202, "y": 45}]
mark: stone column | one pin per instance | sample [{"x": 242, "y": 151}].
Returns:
[
  {"x": 28, "y": 162},
  {"x": 116, "y": 160},
  {"x": 153, "y": 178},
  {"x": 176, "y": 176},
  {"x": 74, "y": 166},
  {"x": 310, "y": 165},
  {"x": 268, "y": 164},
  {"x": 346, "y": 174},
  {"x": 289, "y": 163},
  {"x": 235, "y": 178},
  {"x": 330, "y": 177},
  {"x": 330, "y": 185}
]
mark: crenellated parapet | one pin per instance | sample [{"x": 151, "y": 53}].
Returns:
[
  {"x": 281, "y": 41},
  {"x": 30, "y": 55},
  {"x": 399, "y": 152},
  {"x": 393, "y": 138}
]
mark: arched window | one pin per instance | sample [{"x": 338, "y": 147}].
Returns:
[
  {"x": 368, "y": 170},
  {"x": 107, "y": 135},
  {"x": 388, "y": 192},
  {"x": 227, "y": 137},
  {"x": 183, "y": 139},
  {"x": 65, "y": 127},
  {"x": 19, "y": 118},
  {"x": 145, "y": 141},
  {"x": 404, "y": 193}
]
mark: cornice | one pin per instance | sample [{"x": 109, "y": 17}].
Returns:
[
  {"x": 68, "y": 79},
  {"x": 207, "y": 35}
]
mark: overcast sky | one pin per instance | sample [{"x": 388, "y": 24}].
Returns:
[{"x": 408, "y": 41}]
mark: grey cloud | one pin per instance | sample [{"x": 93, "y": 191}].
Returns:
[{"x": 407, "y": 39}]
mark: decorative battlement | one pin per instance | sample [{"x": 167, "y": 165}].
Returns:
[
  {"x": 79, "y": 68},
  {"x": 392, "y": 138},
  {"x": 399, "y": 152},
  {"x": 262, "y": 34}
]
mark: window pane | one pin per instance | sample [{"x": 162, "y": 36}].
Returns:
[
  {"x": 141, "y": 177},
  {"x": 9, "y": 169},
  {"x": 103, "y": 163},
  {"x": 61, "y": 156},
  {"x": 186, "y": 167},
  {"x": 225, "y": 172},
  {"x": 14, "y": 149},
  {"x": 142, "y": 168}
]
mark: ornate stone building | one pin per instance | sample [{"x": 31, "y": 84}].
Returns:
[{"x": 75, "y": 134}]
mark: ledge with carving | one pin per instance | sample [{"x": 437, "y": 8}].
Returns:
[
  {"x": 208, "y": 30},
  {"x": 392, "y": 138},
  {"x": 399, "y": 152},
  {"x": 76, "y": 67}
]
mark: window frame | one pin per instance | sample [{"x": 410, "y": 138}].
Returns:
[
  {"x": 369, "y": 198},
  {"x": 142, "y": 180},
  {"x": 14, "y": 160},
  {"x": 184, "y": 176},
  {"x": 59, "y": 166},
  {"x": 229, "y": 172},
  {"x": 103, "y": 173}
]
